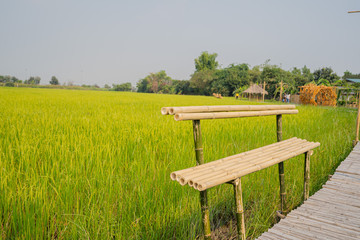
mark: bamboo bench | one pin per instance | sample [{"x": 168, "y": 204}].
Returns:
[{"x": 232, "y": 168}]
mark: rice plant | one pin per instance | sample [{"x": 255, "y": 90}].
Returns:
[{"x": 96, "y": 165}]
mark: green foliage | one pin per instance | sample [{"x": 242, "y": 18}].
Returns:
[
  {"x": 302, "y": 76},
  {"x": 348, "y": 74},
  {"x": 255, "y": 74},
  {"x": 33, "y": 80},
  {"x": 54, "y": 81},
  {"x": 240, "y": 90},
  {"x": 9, "y": 84},
  {"x": 125, "y": 87},
  {"x": 229, "y": 79},
  {"x": 206, "y": 61},
  {"x": 182, "y": 87},
  {"x": 201, "y": 81},
  {"x": 327, "y": 74},
  {"x": 9, "y": 79},
  {"x": 158, "y": 82},
  {"x": 96, "y": 165},
  {"x": 340, "y": 83},
  {"x": 323, "y": 82}
]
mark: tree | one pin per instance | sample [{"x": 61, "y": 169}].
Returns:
[
  {"x": 201, "y": 81},
  {"x": 182, "y": 87},
  {"x": 229, "y": 79},
  {"x": 54, "y": 81},
  {"x": 306, "y": 72},
  {"x": 33, "y": 80},
  {"x": 206, "y": 61},
  {"x": 142, "y": 85},
  {"x": 254, "y": 75},
  {"x": 122, "y": 87},
  {"x": 348, "y": 74},
  {"x": 327, "y": 74},
  {"x": 158, "y": 82}
]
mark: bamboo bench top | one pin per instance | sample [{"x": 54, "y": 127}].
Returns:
[{"x": 227, "y": 169}]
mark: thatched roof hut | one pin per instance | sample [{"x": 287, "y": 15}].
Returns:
[{"x": 255, "y": 89}]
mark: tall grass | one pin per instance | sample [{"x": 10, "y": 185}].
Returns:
[{"x": 96, "y": 165}]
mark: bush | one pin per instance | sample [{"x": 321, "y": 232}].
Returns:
[{"x": 9, "y": 84}]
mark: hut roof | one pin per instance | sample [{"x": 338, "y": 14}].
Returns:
[{"x": 255, "y": 89}]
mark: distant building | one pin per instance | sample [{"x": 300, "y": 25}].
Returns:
[{"x": 352, "y": 80}]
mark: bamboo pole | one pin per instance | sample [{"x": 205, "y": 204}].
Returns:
[
  {"x": 225, "y": 176},
  {"x": 219, "y": 115},
  {"x": 281, "y": 90},
  {"x": 264, "y": 91},
  {"x": 165, "y": 110},
  {"x": 263, "y": 149},
  {"x": 281, "y": 164},
  {"x": 247, "y": 157},
  {"x": 227, "y": 168},
  {"x": 225, "y": 108},
  {"x": 306, "y": 175},
  {"x": 241, "y": 173},
  {"x": 233, "y": 166},
  {"x": 357, "y": 121},
  {"x": 203, "y": 194},
  {"x": 231, "y": 175},
  {"x": 251, "y": 152},
  {"x": 240, "y": 216}
]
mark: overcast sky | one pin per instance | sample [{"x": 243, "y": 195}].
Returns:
[{"x": 113, "y": 41}]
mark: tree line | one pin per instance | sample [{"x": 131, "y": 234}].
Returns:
[
  {"x": 209, "y": 78},
  {"x": 11, "y": 81}
]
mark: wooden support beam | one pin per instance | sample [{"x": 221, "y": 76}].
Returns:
[
  {"x": 240, "y": 216},
  {"x": 203, "y": 194},
  {"x": 307, "y": 175},
  {"x": 357, "y": 121},
  {"x": 281, "y": 166}
]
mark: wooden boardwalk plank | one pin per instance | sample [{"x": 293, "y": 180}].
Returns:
[{"x": 331, "y": 213}]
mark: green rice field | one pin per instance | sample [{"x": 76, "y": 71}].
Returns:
[{"x": 96, "y": 164}]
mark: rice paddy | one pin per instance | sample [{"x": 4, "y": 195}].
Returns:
[{"x": 96, "y": 165}]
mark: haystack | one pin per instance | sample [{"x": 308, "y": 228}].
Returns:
[{"x": 318, "y": 95}]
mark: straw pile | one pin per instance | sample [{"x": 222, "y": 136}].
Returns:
[{"x": 227, "y": 169}]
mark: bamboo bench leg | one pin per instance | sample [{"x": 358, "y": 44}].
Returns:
[
  {"x": 205, "y": 215},
  {"x": 281, "y": 166},
  {"x": 282, "y": 187},
  {"x": 203, "y": 194},
  {"x": 240, "y": 218},
  {"x": 307, "y": 175}
]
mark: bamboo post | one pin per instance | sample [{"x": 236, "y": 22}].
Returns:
[
  {"x": 281, "y": 89},
  {"x": 281, "y": 165},
  {"x": 307, "y": 175},
  {"x": 240, "y": 218},
  {"x": 264, "y": 92},
  {"x": 203, "y": 194},
  {"x": 357, "y": 121}
]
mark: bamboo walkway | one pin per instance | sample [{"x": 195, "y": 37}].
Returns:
[{"x": 331, "y": 213}]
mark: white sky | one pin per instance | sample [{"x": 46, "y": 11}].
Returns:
[{"x": 88, "y": 42}]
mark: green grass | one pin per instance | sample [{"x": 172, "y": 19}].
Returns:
[{"x": 96, "y": 165}]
